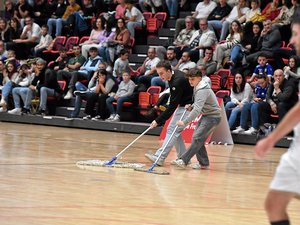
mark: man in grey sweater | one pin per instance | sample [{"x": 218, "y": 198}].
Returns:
[{"x": 205, "y": 102}]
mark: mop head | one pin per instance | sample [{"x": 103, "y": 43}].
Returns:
[
  {"x": 99, "y": 163},
  {"x": 160, "y": 172}
]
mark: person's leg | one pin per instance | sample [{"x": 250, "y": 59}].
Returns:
[
  {"x": 157, "y": 81},
  {"x": 6, "y": 91},
  {"x": 225, "y": 30},
  {"x": 236, "y": 55},
  {"x": 282, "y": 109},
  {"x": 203, "y": 129},
  {"x": 120, "y": 102},
  {"x": 215, "y": 25},
  {"x": 77, "y": 106},
  {"x": 131, "y": 26},
  {"x": 102, "y": 53},
  {"x": 80, "y": 86},
  {"x": 255, "y": 115},
  {"x": 245, "y": 115},
  {"x": 16, "y": 92},
  {"x": 101, "y": 109},
  {"x": 44, "y": 93},
  {"x": 110, "y": 106},
  {"x": 233, "y": 117},
  {"x": 264, "y": 112},
  {"x": 90, "y": 103},
  {"x": 29, "y": 96},
  {"x": 175, "y": 138},
  {"x": 228, "y": 108},
  {"x": 276, "y": 206},
  {"x": 51, "y": 23}
]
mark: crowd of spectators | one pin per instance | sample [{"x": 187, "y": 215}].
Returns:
[{"x": 243, "y": 36}]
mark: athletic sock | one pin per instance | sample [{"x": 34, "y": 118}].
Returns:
[{"x": 282, "y": 222}]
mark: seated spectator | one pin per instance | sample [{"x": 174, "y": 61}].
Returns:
[
  {"x": 29, "y": 39},
  {"x": 248, "y": 45},
  {"x": 223, "y": 49},
  {"x": 253, "y": 107},
  {"x": 85, "y": 72},
  {"x": 121, "y": 65},
  {"x": 185, "y": 62},
  {"x": 9, "y": 75},
  {"x": 263, "y": 67},
  {"x": 220, "y": 12},
  {"x": 11, "y": 56},
  {"x": 4, "y": 31},
  {"x": 62, "y": 60},
  {"x": 72, "y": 66},
  {"x": 21, "y": 11},
  {"x": 124, "y": 94},
  {"x": 14, "y": 29},
  {"x": 45, "y": 41},
  {"x": 241, "y": 93},
  {"x": 120, "y": 41},
  {"x": 9, "y": 9},
  {"x": 59, "y": 23},
  {"x": 271, "y": 11},
  {"x": 148, "y": 70},
  {"x": 183, "y": 38},
  {"x": 82, "y": 92},
  {"x": 106, "y": 86},
  {"x": 207, "y": 62},
  {"x": 202, "y": 11},
  {"x": 133, "y": 17},
  {"x": 93, "y": 40},
  {"x": 291, "y": 69},
  {"x": 39, "y": 12},
  {"x": 237, "y": 12},
  {"x": 56, "y": 11},
  {"x": 250, "y": 14},
  {"x": 27, "y": 93},
  {"x": 281, "y": 97},
  {"x": 269, "y": 41},
  {"x": 1, "y": 74},
  {"x": 284, "y": 16},
  {"x": 77, "y": 23}
]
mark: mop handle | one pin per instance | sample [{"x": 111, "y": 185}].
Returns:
[
  {"x": 154, "y": 164},
  {"x": 115, "y": 157}
]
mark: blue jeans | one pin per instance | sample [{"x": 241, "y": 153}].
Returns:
[
  {"x": 203, "y": 129},
  {"x": 131, "y": 26},
  {"x": 104, "y": 53},
  {"x": 232, "y": 112},
  {"x": 6, "y": 90},
  {"x": 44, "y": 93},
  {"x": 157, "y": 81},
  {"x": 236, "y": 55},
  {"x": 176, "y": 139},
  {"x": 253, "y": 108},
  {"x": 120, "y": 102},
  {"x": 217, "y": 25},
  {"x": 18, "y": 94},
  {"x": 172, "y": 7}
]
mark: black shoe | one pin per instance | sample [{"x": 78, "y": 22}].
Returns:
[
  {"x": 25, "y": 111},
  {"x": 41, "y": 112}
]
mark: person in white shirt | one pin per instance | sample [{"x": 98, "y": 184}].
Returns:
[
  {"x": 29, "y": 38},
  {"x": 45, "y": 41},
  {"x": 237, "y": 12},
  {"x": 203, "y": 9},
  {"x": 133, "y": 17},
  {"x": 148, "y": 69},
  {"x": 185, "y": 62}
]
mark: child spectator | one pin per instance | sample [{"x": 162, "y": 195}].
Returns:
[
  {"x": 45, "y": 41},
  {"x": 121, "y": 65},
  {"x": 263, "y": 67},
  {"x": 123, "y": 94}
]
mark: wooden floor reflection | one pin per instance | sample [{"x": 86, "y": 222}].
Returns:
[{"x": 40, "y": 183}]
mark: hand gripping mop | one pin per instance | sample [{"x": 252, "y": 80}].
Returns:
[
  {"x": 151, "y": 169},
  {"x": 113, "y": 162}
]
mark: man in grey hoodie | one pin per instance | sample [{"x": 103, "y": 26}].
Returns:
[{"x": 205, "y": 102}]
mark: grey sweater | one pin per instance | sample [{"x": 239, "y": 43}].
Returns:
[{"x": 205, "y": 102}]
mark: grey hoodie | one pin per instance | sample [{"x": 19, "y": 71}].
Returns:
[{"x": 205, "y": 102}]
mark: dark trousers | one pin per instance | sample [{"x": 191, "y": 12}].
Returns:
[{"x": 101, "y": 109}]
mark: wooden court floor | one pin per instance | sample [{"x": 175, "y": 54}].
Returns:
[{"x": 40, "y": 183}]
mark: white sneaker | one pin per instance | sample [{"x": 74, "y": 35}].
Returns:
[
  {"x": 197, "y": 166},
  {"x": 88, "y": 117},
  {"x": 109, "y": 69},
  {"x": 69, "y": 95},
  {"x": 116, "y": 118},
  {"x": 15, "y": 111},
  {"x": 180, "y": 163},
  {"x": 109, "y": 119},
  {"x": 2, "y": 102},
  {"x": 173, "y": 162},
  {"x": 252, "y": 130},
  {"x": 238, "y": 130}
]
